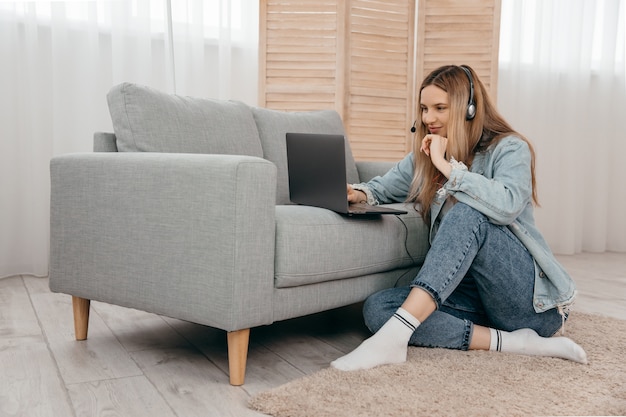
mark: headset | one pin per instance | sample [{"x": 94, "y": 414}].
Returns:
[
  {"x": 470, "y": 112},
  {"x": 471, "y": 105}
]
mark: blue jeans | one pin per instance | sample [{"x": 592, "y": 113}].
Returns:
[{"x": 478, "y": 273}]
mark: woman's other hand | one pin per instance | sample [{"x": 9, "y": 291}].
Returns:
[{"x": 435, "y": 146}]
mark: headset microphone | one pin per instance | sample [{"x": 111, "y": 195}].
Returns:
[{"x": 413, "y": 129}]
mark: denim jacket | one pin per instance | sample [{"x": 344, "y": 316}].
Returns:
[{"x": 499, "y": 185}]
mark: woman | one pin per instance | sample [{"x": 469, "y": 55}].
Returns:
[{"x": 489, "y": 280}]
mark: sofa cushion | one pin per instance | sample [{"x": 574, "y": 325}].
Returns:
[
  {"x": 315, "y": 245},
  {"x": 148, "y": 120},
  {"x": 273, "y": 125}
]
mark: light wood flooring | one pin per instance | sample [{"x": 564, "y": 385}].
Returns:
[{"x": 138, "y": 364}]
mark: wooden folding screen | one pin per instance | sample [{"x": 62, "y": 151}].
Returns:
[
  {"x": 459, "y": 32},
  {"x": 358, "y": 57}
]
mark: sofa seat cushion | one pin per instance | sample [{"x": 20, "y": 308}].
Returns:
[
  {"x": 273, "y": 126},
  {"x": 315, "y": 245},
  {"x": 148, "y": 120}
]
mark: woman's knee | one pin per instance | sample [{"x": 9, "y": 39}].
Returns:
[
  {"x": 461, "y": 220},
  {"x": 380, "y": 306},
  {"x": 464, "y": 211}
]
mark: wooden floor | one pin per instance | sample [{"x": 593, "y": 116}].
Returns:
[{"x": 139, "y": 364}]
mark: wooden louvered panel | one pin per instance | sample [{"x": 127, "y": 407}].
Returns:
[
  {"x": 459, "y": 32},
  {"x": 299, "y": 50},
  {"x": 378, "y": 105},
  {"x": 356, "y": 56}
]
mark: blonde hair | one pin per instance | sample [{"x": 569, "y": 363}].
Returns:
[{"x": 465, "y": 137}]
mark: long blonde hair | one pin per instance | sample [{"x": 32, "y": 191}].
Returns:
[{"x": 465, "y": 137}]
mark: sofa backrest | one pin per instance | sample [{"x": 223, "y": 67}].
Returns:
[
  {"x": 273, "y": 125},
  {"x": 148, "y": 120}
]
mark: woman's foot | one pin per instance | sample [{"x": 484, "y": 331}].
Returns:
[
  {"x": 528, "y": 342},
  {"x": 389, "y": 345}
]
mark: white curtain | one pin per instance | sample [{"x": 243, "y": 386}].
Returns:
[
  {"x": 562, "y": 84},
  {"x": 58, "y": 61}
]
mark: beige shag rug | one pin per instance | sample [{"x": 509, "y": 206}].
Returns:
[{"x": 440, "y": 382}]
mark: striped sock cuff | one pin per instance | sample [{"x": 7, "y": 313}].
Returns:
[
  {"x": 496, "y": 340},
  {"x": 407, "y": 319}
]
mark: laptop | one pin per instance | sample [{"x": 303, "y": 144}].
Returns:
[{"x": 317, "y": 174}]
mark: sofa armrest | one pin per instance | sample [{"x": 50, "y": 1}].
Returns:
[
  {"x": 104, "y": 142},
  {"x": 188, "y": 236},
  {"x": 369, "y": 169}
]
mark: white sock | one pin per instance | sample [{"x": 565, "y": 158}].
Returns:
[
  {"x": 388, "y": 345},
  {"x": 528, "y": 342}
]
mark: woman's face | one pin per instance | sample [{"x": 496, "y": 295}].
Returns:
[{"x": 435, "y": 110}]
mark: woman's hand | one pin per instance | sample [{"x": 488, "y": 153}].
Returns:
[
  {"x": 435, "y": 146},
  {"x": 356, "y": 196}
]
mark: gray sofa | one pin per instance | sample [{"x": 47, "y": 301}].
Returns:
[{"x": 184, "y": 212}]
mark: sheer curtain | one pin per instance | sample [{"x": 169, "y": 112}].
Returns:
[
  {"x": 562, "y": 84},
  {"x": 60, "y": 58}
]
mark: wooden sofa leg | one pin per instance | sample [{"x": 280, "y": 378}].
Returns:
[
  {"x": 81, "y": 317},
  {"x": 238, "y": 355}
]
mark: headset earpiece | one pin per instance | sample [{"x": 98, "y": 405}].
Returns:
[{"x": 470, "y": 113}]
